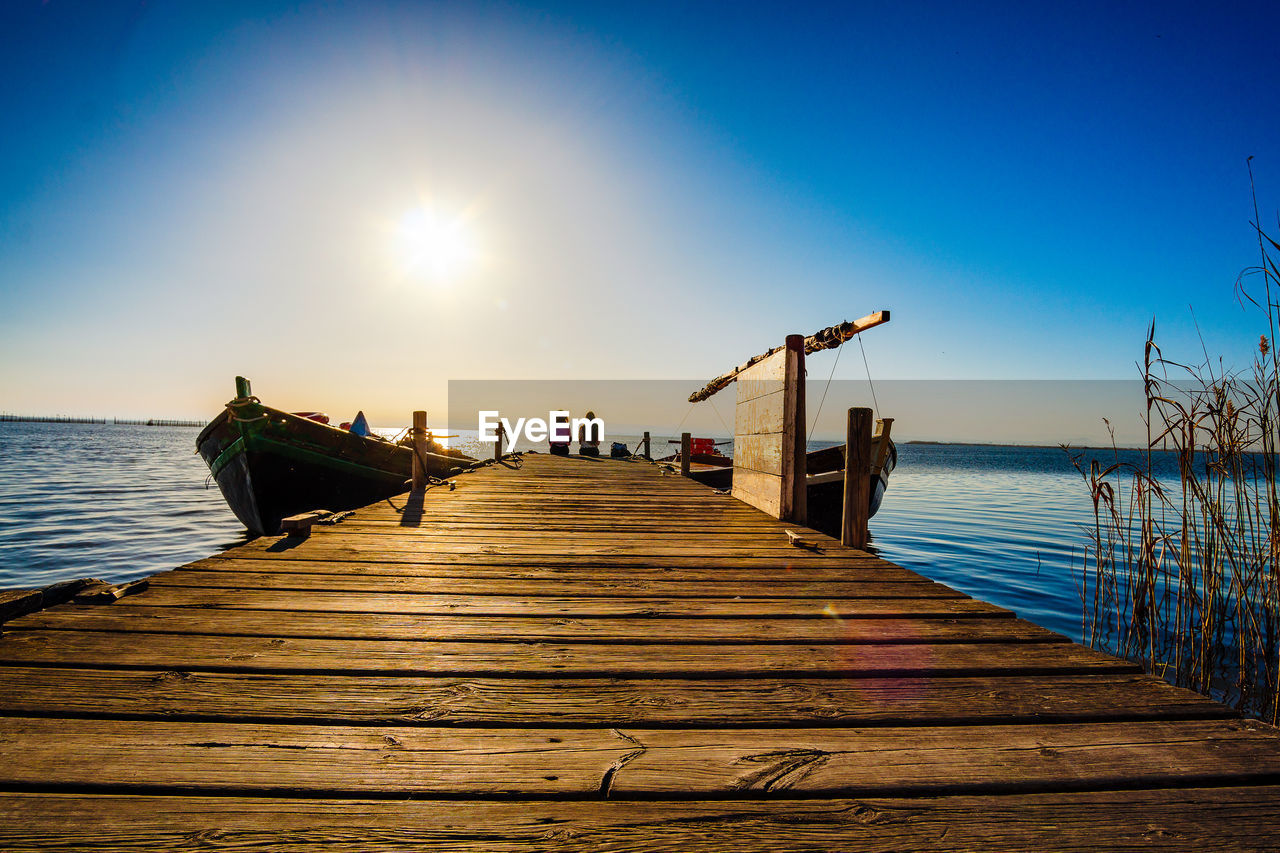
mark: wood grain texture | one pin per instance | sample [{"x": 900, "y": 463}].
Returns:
[
  {"x": 612, "y": 762},
  {"x": 568, "y": 583},
  {"x": 1224, "y": 819},
  {"x": 642, "y": 631},
  {"x": 554, "y": 606},
  {"x": 532, "y": 659},
  {"x": 645, "y": 702}
]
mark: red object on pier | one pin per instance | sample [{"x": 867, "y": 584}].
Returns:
[{"x": 702, "y": 445}]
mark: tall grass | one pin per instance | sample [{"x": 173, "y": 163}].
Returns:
[{"x": 1182, "y": 573}]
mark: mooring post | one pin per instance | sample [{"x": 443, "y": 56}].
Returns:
[
  {"x": 243, "y": 390},
  {"x": 686, "y": 444},
  {"x": 795, "y": 483},
  {"x": 497, "y": 445},
  {"x": 647, "y": 454},
  {"x": 857, "y": 479},
  {"x": 419, "y": 450}
]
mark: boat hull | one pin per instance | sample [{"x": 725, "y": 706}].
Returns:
[{"x": 270, "y": 464}]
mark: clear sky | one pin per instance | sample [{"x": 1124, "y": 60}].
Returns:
[{"x": 351, "y": 203}]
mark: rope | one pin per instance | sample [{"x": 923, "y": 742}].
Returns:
[
  {"x": 685, "y": 418},
  {"x": 825, "y": 388},
  {"x": 716, "y": 409},
  {"x": 241, "y": 402},
  {"x": 870, "y": 384}
]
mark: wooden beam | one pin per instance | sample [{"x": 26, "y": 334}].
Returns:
[
  {"x": 299, "y": 526},
  {"x": 827, "y": 338}
]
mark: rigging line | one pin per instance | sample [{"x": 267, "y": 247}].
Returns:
[
  {"x": 825, "y": 388},
  {"x": 870, "y": 384},
  {"x": 685, "y": 418},
  {"x": 721, "y": 417}
]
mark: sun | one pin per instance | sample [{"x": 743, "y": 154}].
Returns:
[{"x": 433, "y": 246}]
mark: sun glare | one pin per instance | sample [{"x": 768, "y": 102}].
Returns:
[{"x": 432, "y": 246}]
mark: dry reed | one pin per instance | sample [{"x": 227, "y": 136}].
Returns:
[{"x": 1182, "y": 573}]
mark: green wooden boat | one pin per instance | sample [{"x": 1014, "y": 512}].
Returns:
[{"x": 271, "y": 464}]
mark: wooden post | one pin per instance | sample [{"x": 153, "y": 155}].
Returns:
[
  {"x": 497, "y": 445},
  {"x": 686, "y": 444},
  {"x": 419, "y": 449},
  {"x": 857, "y": 479},
  {"x": 647, "y": 454},
  {"x": 795, "y": 445},
  {"x": 242, "y": 388}
]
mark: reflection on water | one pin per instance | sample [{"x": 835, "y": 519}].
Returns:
[{"x": 120, "y": 502}]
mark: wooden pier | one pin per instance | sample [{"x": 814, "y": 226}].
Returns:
[{"x": 591, "y": 655}]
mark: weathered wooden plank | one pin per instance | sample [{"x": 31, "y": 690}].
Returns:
[
  {"x": 402, "y": 565},
  {"x": 762, "y": 378},
  {"x": 759, "y": 452},
  {"x": 548, "y": 605},
  {"x": 565, "y": 583},
  {"x": 15, "y": 602},
  {"x": 1210, "y": 819},
  {"x": 794, "y": 561},
  {"x": 758, "y": 489},
  {"x": 323, "y": 543},
  {"x": 283, "y": 654},
  {"x": 648, "y": 702},
  {"x": 423, "y": 534},
  {"x": 611, "y": 762},
  {"x": 650, "y": 630},
  {"x": 762, "y": 415}
]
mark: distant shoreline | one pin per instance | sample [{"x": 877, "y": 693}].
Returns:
[
  {"x": 1035, "y": 446},
  {"x": 69, "y": 419}
]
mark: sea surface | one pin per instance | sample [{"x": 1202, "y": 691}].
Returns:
[{"x": 1003, "y": 524}]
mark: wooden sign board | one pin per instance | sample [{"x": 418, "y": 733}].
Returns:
[{"x": 768, "y": 434}]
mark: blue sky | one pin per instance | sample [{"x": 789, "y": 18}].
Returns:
[{"x": 189, "y": 191}]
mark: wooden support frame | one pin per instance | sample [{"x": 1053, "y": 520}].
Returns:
[{"x": 769, "y": 435}]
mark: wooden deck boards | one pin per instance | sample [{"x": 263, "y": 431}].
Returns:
[{"x": 638, "y": 662}]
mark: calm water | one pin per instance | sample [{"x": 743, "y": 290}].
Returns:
[
  {"x": 121, "y": 502},
  {"x": 112, "y": 502}
]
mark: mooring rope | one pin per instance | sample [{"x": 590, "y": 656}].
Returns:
[{"x": 715, "y": 409}]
